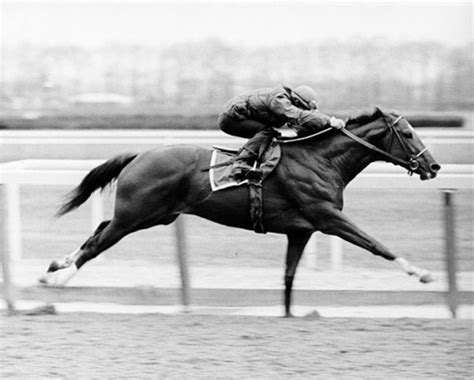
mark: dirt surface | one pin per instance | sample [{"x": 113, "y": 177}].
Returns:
[{"x": 90, "y": 346}]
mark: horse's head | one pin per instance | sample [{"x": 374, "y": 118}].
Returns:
[{"x": 397, "y": 142}]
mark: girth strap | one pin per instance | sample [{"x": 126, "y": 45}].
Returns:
[{"x": 256, "y": 206}]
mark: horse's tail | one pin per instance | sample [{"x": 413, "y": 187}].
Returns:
[{"x": 97, "y": 178}]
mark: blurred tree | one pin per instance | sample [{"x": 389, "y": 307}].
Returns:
[{"x": 209, "y": 72}]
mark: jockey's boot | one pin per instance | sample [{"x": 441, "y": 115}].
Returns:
[
  {"x": 244, "y": 162},
  {"x": 250, "y": 156}
]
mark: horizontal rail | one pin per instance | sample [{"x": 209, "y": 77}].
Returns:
[
  {"x": 213, "y": 133},
  {"x": 379, "y": 175},
  {"x": 160, "y": 137},
  {"x": 448, "y": 146},
  {"x": 238, "y": 297}
]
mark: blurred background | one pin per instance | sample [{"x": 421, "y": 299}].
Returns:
[
  {"x": 90, "y": 79},
  {"x": 155, "y": 65},
  {"x": 66, "y": 61}
]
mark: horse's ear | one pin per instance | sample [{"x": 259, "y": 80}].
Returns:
[{"x": 379, "y": 111}]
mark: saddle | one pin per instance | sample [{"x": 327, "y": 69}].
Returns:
[{"x": 223, "y": 175}]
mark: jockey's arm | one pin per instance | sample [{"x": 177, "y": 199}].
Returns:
[
  {"x": 303, "y": 121},
  {"x": 282, "y": 106},
  {"x": 315, "y": 121}
]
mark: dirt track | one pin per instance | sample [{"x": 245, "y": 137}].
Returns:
[{"x": 196, "y": 346}]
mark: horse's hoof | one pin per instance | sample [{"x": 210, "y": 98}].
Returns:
[
  {"x": 41, "y": 310},
  {"x": 289, "y": 315},
  {"x": 54, "y": 266},
  {"x": 59, "y": 278},
  {"x": 49, "y": 281},
  {"x": 426, "y": 278},
  {"x": 312, "y": 316}
]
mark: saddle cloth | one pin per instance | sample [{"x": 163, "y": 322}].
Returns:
[{"x": 224, "y": 177}]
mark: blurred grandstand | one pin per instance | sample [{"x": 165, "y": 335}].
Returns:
[{"x": 198, "y": 78}]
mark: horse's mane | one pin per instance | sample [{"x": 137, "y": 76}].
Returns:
[
  {"x": 361, "y": 117},
  {"x": 365, "y": 116}
]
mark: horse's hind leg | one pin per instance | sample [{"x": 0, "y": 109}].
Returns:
[{"x": 107, "y": 234}]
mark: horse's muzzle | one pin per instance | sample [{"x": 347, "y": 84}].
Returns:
[
  {"x": 435, "y": 168},
  {"x": 431, "y": 172}
]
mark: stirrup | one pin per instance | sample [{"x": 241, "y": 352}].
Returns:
[
  {"x": 255, "y": 174},
  {"x": 254, "y": 167}
]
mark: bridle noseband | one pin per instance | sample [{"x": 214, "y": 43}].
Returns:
[{"x": 412, "y": 164}]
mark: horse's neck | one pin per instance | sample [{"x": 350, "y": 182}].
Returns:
[
  {"x": 351, "y": 160},
  {"x": 347, "y": 156}
]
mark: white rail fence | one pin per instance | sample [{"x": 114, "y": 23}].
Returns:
[
  {"x": 449, "y": 146},
  {"x": 70, "y": 172}
]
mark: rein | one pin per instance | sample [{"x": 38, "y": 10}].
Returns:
[
  {"x": 412, "y": 164},
  {"x": 298, "y": 139}
]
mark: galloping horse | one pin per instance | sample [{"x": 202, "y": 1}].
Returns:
[{"x": 301, "y": 196}]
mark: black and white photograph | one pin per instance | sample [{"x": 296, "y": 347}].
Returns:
[{"x": 236, "y": 189}]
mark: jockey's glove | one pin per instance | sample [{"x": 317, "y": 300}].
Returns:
[{"x": 336, "y": 123}]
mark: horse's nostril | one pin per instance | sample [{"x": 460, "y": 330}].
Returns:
[{"x": 435, "y": 167}]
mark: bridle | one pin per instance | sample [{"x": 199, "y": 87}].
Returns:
[{"x": 412, "y": 164}]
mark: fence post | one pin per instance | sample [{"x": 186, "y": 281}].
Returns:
[
  {"x": 97, "y": 209},
  {"x": 13, "y": 220},
  {"x": 5, "y": 252},
  {"x": 336, "y": 253},
  {"x": 97, "y": 215},
  {"x": 182, "y": 261},
  {"x": 311, "y": 252},
  {"x": 450, "y": 241}
]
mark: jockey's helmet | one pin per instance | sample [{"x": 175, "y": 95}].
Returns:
[{"x": 305, "y": 97}]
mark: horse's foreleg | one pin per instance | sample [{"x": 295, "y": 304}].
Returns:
[
  {"x": 60, "y": 272},
  {"x": 338, "y": 224},
  {"x": 296, "y": 244}
]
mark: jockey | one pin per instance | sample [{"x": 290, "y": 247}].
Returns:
[{"x": 255, "y": 114}]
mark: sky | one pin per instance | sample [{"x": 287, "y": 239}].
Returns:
[{"x": 253, "y": 23}]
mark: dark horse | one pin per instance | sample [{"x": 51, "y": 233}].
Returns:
[{"x": 301, "y": 196}]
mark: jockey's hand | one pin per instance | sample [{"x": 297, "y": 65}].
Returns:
[{"x": 337, "y": 123}]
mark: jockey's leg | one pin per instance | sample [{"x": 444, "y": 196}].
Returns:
[
  {"x": 260, "y": 135},
  {"x": 256, "y": 146},
  {"x": 252, "y": 152},
  {"x": 264, "y": 138},
  {"x": 238, "y": 126},
  {"x": 246, "y": 163}
]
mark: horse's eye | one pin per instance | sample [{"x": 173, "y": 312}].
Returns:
[{"x": 408, "y": 134}]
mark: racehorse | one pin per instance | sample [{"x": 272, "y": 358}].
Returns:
[{"x": 302, "y": 195}]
